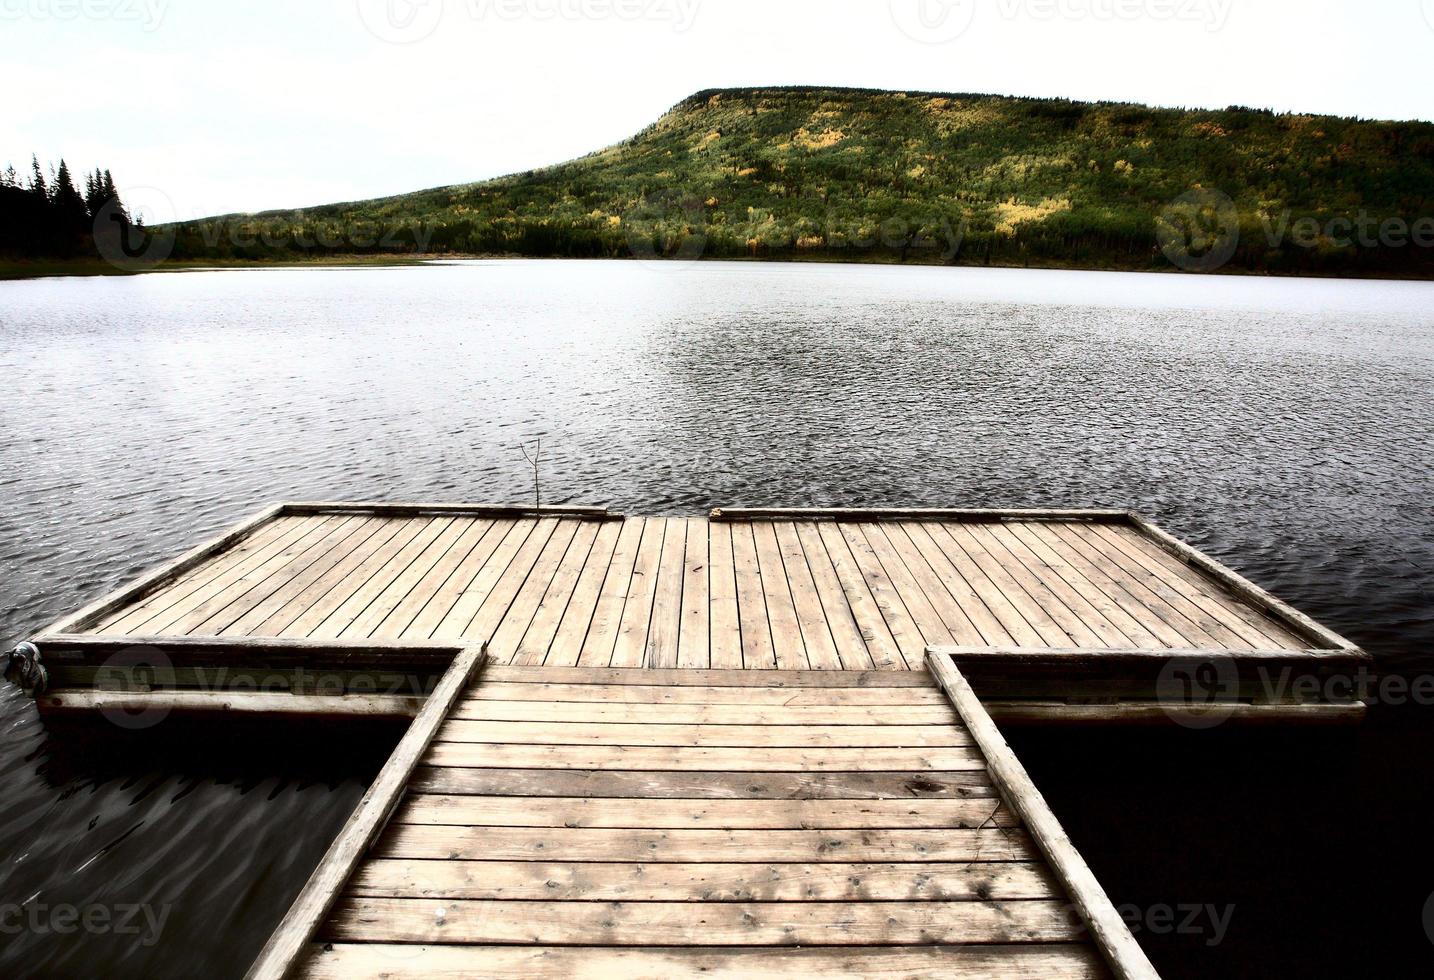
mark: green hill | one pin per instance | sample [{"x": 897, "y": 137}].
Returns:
[{"x": 854, "y": 175}]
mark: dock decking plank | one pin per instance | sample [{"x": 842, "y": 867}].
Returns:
[
  {"x": 553, "y": 607},
  {"x": 343, "y": 961},
  {"x": 557, "y": 880},
  {"x": 724, "y": 620},
  {"x": 631, "y": 644},
  {"x": 694, "y": 647},
  {"x": 566, "y": 645},
  {"x": 664, "y": 632},
  {"x": 582, "y": 812}
]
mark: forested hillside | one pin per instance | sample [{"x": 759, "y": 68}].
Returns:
[{"x": 853, "y": 175}]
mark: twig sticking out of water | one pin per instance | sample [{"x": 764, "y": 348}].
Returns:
[{"x": 533, "y": 461}]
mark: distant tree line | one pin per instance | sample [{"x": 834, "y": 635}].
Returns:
[{"x": 51, "y": 217}]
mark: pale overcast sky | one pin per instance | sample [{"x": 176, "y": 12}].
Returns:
[{"x": 256, "y": 104}]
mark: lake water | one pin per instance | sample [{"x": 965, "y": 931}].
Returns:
[{"x": 1282, "y": 425}]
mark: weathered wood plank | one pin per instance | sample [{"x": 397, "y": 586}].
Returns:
[
  {"x": 1202, "y": 590},
  {"x": 574, "y": 881},
  {"x": 706, "y": 759},
  {"x": 667, "y": 606},
  {"x": 708, "y": 714},
  {"x": 574, "y": 812},
  {"x": 724, "y": 620},
  {"x": 787, "y": 647},
  {"x": 876, "y": 632},
  {"x": 707, "y": 924},
  {"x": 947, "y": 575},
  {"x": 694, "y": 677},
  {"x": 340, "y": 961},
  {"x": 557, "y": 598},
  {"x": 403, "y": 584},
  {"x": 451, "y": 620},
  {"x": 620, "y": 784},
  {"x": 693, "y": 645},
  {"x": 320, "y": 570},
  {"x": 757, "y": 650},
  {"x": 566, "y": 645},
  {"x": 216, "y": 595},
  {"x": 816, "y": 632},
  {"x": 689, "y": 694},
  {"x": 496, "y": 605},
  {"x": 1042, "y": 550},
  {"x": 612, "y": 598},
  {"x": 439, "y": 581},
  {"x": 899, "y": 619},
  {"x": 396, "y": 562},
  {"x": 512, "y": 624},
  {"x": 585, "y": 733},
  {"x": 470, "y": 580},
  {"x": 1145, "y": 609},
  {"x": 1243, "y": 588},
  {"x": 632, "y": 631},
  {"x": 686, "y": 846}
]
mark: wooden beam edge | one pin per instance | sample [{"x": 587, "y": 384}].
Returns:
[
  {"x": 290, "y": 941},
  {"x": 380, "y": 508},
  {"x": 1298, "y": 622},
  {"x": 1109, "y": 930},
  {"x": 75, "y": 702},
  {"x": 913, "y": 514}
]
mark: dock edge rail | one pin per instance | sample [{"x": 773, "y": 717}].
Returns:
[
  {"x": 1108, "y": 930},
  {"x": 289, "y": 943}
]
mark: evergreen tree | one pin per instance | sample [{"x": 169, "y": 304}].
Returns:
[
  {"x": 38, "y": 187},
  {"x": 109, "y": 193}
]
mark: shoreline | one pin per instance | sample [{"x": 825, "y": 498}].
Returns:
[{"x": 28, "y": 270}]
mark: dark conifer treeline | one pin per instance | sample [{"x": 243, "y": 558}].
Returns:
[{"x": 51, "y": 217}]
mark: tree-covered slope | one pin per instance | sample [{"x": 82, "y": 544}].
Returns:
[{"x": 852, "y": 175}]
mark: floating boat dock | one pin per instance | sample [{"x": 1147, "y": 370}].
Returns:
[{"x": 762, "y": 742}]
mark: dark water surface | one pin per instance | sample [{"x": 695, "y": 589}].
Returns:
[{"x": 1282, "y": 425}]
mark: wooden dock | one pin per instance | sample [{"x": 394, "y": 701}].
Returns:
[
  {"x": 843, "y": 824},
  {"x": 755, "y": 743},
  {"x": 1055, "y": 616}
]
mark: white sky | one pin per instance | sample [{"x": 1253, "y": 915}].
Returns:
[{"x": 256, "y": 104}]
